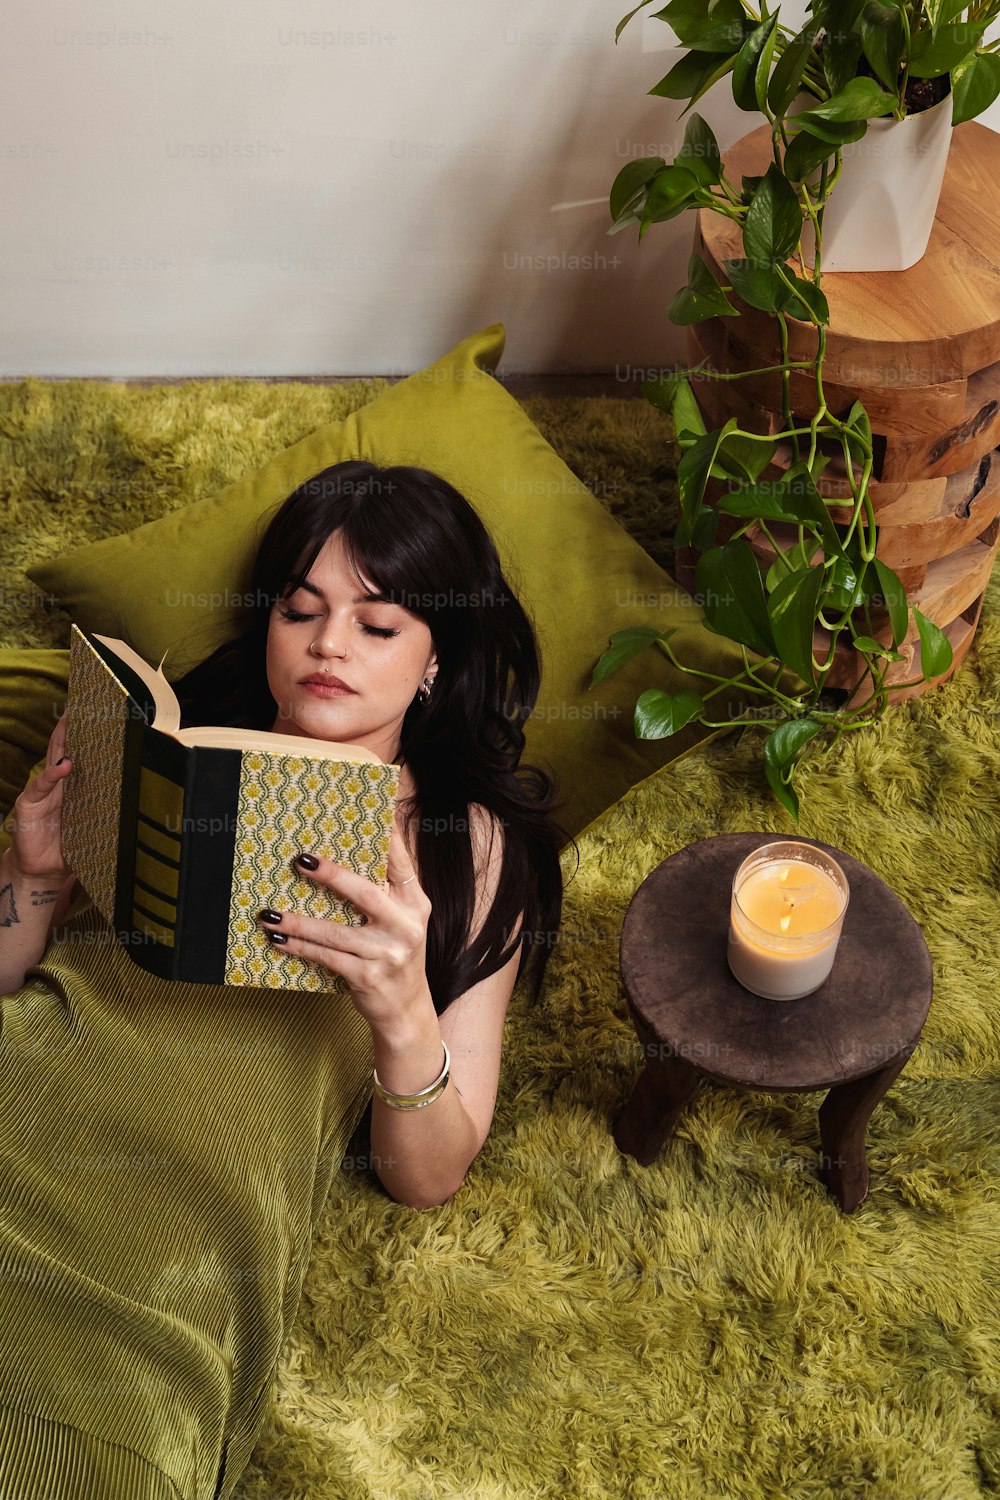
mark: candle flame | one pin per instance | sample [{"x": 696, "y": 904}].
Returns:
[
  {"x": 784, "y": 874},
  {"x": 784, "y": 922}
]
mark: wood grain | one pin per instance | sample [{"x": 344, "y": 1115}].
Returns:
[
  {"x": 921, "y": 350},
  {"x": 936, "y": 322}
]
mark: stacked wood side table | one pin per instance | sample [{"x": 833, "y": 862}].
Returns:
[
  {"x": 852, "y": 1036},
  {"x": 921, "y": 349}
]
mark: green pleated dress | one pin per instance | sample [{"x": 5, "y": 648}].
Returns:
[{"x": 165, "y": 1151}]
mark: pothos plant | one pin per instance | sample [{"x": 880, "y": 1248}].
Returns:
[{"x": 858, "y": 61}]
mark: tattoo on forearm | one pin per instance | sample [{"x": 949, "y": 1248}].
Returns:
[
  {"x": 44, "y": 898},
  {"x": 8, "y": 910}
]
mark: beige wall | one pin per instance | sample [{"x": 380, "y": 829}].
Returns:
[{"x": 331, "y": 187}]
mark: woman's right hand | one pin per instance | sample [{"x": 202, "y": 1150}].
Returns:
[{"x": 37, "y": 817}]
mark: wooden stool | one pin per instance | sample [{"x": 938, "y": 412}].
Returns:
[
  {"x": 852, "y": 1036},
  {"x": 921, "y": 349}
]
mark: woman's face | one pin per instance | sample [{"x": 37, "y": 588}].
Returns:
[{"x": 380, "y": 652}]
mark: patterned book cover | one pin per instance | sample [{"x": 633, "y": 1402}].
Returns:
[
  {"x": 287, "y": 804},
  {"x": 97, "y": 717},
  {"x": 180, "y": 845}
]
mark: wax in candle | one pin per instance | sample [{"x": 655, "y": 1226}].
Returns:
[
  {"x": 785, "y": 922},
  {"x": 790, "y": 898}
]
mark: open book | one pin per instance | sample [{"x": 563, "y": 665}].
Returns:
[{"x": 181, "y": 836}]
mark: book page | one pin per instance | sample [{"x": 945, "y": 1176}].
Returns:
[
  {"x": 223, "y": 737},
  {"x": 167, "y": 713}
]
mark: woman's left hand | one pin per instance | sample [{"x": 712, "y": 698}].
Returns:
[{"x": 383, "y": 961}]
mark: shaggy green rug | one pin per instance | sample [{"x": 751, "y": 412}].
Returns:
[{"x": 572, "y": 1324}]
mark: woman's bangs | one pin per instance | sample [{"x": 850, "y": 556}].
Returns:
[{"x": 379, "y": 557}]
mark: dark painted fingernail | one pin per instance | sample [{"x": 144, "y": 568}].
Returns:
[
  {"x": 281, "y": 938},
  {"x": 307, "y": 861},
  {"x": 267, "y": 915}
]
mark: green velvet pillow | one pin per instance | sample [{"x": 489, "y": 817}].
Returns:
[{"x": 175, "y": 584}]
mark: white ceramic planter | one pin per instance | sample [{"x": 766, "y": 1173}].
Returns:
[{"x": 881, "y": 211}]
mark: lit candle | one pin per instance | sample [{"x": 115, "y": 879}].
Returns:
[{"x": 785, "y": 918}]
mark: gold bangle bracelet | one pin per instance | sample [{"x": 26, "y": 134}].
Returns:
[{"x": 425, "y": 1096}]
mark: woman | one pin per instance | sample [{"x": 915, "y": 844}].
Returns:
[{"x": 381, "y": 618}]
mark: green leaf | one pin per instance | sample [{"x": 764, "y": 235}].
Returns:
[
  {"x": 810, "y": 507},
  {"x": 860, "y": 99},
  {"x": 686, "y": 411},
  {"x": 858, "y": 426},
  {"x": 805, "y": 153},
  {"x": 762, "y": 77},
  {"x": 792, "y": 609},
  {"x": 785, "y": 743},
  {"x": 700, "y": 152},
  {"x": 624, "y": 645},
  {"x": 782, "y": 752},
  {"x": 706, "y": 524},
  {"x": 881, "y": 31},
  {"x": 772, "y": 500},
  {"x": 633, "y": 177},
  {"x": 811, "y": 300},
  {"x": 841, "y": 52},
  {"x": 932, "y": 54},
  {"x": 787, "y": 75},
  {"x": 731, "y": 592},
  {"x": 661, "y": 389},
  {"x": 758, "y": 284},
  {"x": 844, "y": 586},
  {"x": 626, "y": 19},
  {"x": 623, "y": 223},
  {"x": 659, "y": 714},
  {"x": 858, "y": 418},
  {"x": 695, "y": 466},
  {"x": 691, "y": 18},
  {"x": 947, "y": 10},
  {"x": 751, "y": 54},
  {"x": 834, "y": 132},
  {"x": 744, "y": 458},
  {"x": 801, "y": 555},
  {"x": 669, "y": 194},
  {"x": 837, "y": 17},
  {"x": 722, "y": 36},
  {"x": 765, "y": 500},
  {"x": 693, "y": 76},
  {"x": 893, "y": 595},
  {"x": 702, "y": 298},
  {"x": 975, "y": 83},
  {"x": 774, "y": 219},
  {"x": 935, "y": 648},
  {"x": 873, "y": 647}
]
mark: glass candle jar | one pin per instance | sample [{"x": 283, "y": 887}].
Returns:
[{"x": 785, "y": 919}]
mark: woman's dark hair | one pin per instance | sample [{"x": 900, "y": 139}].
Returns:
[{"x": 423, "y": 545}]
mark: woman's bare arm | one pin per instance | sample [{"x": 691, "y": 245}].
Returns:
[
  {"x": 421, "y": 1156},
  {"x": 29, "y": 909}
]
